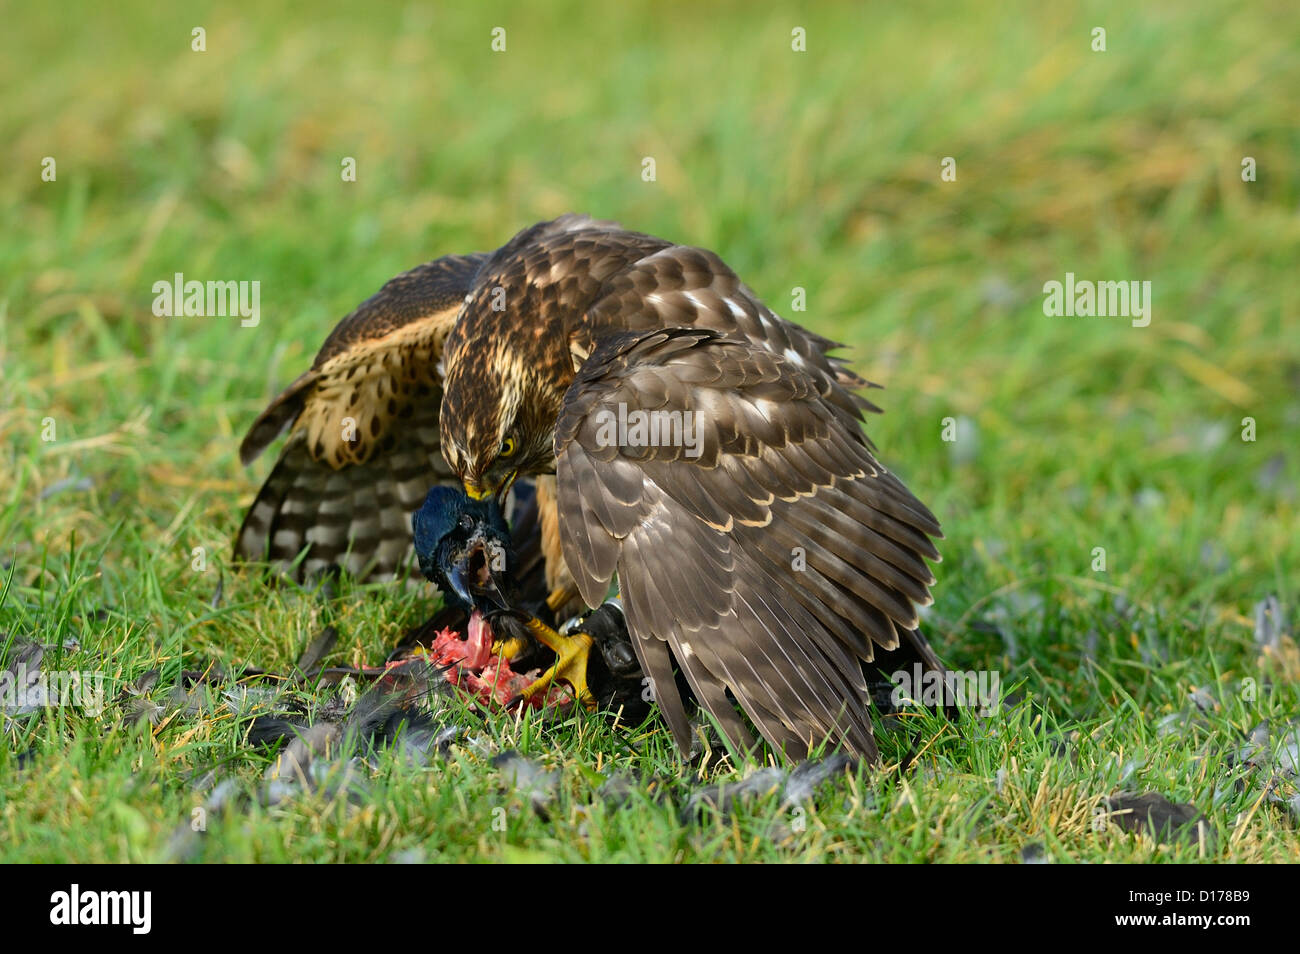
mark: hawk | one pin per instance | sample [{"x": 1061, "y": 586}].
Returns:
[{"x": 689, "y": 446}]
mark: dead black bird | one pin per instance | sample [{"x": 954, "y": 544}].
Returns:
[
  {"x": 462, "y": 545},
  {"x": 490, "y": 586},
  {"x": 492, "y": 576}
]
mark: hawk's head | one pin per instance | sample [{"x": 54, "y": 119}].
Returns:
[{"x": 499, "y": 409}]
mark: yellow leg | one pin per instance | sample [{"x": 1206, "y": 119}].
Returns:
[
  {"x": 559, "y": 597},
  {"x": 571, "y": 654}
]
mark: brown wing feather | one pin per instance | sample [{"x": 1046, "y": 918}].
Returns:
[
  {"x": 357, "y": 517},
  {"x": 771, "y": 566},
  {"x": 364, "y": 448},
  {"x": 683, "y": 286}
]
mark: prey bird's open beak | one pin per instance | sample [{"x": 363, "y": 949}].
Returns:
[
  {"x": 460, "y": 583},
  {"x": 472, "y": 578},
  {"x": 494, "y": 595}
]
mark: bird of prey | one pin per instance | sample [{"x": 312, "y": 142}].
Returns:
[{"x": 686, "y": 442}]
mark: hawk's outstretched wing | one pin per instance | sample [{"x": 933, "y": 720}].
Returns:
[
  {"x": 364, "y": 447},
  {"x": 770, "y": 565}
]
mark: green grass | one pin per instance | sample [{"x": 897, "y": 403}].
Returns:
[{"x": 818, "y": 170}]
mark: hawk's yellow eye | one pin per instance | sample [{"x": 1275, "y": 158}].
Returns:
[{"x": 507, "y": 447}]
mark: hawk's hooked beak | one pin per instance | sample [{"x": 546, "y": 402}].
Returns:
[{"x": 477, "y": 491}]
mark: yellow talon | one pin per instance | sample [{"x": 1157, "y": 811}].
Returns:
[
  {"x": 571, "y": 654},
  {"x": 507, "y": 649}
]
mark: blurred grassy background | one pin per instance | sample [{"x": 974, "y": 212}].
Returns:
[{"x": 817, "y": 169}]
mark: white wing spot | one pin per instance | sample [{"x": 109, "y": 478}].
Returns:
[{"x": 794, "y": 356}]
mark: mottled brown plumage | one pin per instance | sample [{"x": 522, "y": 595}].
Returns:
[
  {"x": 770, "y": 566},
  {"x": 778, "y": 569},
  {"x": 364, "y": 445}
]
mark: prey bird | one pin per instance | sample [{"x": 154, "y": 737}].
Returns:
[
  {"x": 490, "y": 576},
  {"x": 685, "y": 441},
  {"x": 491, "y": 587}
]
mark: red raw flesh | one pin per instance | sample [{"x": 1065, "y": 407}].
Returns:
[{"x": 472, "y": 668}]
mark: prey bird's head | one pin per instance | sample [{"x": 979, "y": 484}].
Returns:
[
  {"x": 499, "y": 412},
  {"x": 463, "y": 546}
]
